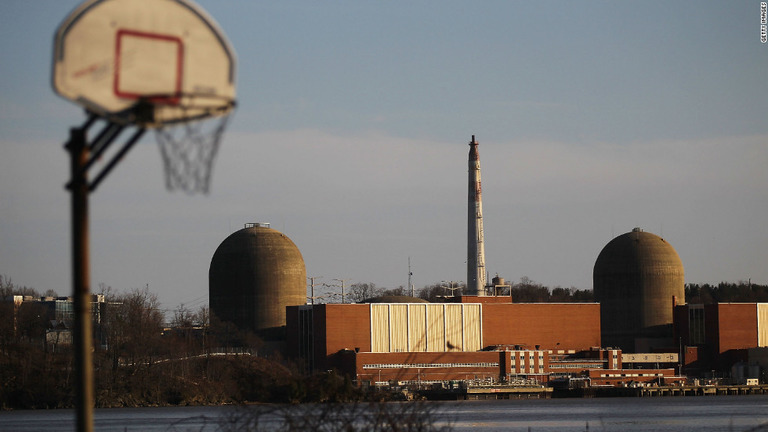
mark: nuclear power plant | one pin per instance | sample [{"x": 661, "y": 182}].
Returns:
[
  {"x": 254, "y": 274},
  {"x": 638, "y": 332}
]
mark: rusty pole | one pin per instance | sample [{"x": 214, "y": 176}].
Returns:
[{"x": 78, "y": 150}]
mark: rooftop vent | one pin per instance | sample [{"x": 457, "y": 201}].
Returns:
[{"x": 257, "y": 224}]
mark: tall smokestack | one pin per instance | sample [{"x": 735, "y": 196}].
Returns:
[{"x": 475, "y": 242}]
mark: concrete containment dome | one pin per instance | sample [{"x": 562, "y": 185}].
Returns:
[
  {"x": 255, "y": 273},
  {"x": 635, "y": 278}
]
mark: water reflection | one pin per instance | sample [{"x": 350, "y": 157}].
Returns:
[{"x": 709, "y": 413}]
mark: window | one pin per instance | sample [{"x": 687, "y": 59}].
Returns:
[{"x": 696, "y": 324}]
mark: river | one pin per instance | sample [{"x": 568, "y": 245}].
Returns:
[{"x": 703, "y": 413}]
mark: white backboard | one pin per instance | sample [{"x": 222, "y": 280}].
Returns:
[{"x": 109, "y": 54}]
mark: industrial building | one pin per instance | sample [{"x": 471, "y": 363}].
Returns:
[
  {"x": 714, "y": 337},
  {"x": 638, "y": 331},
  {"x": 486, "y": 339},
  {"x": 254, "y": 274},
  {"x": 449, "y": 340},
  {"x": 637, "y": 279},
  {"x": 54, "y": 314}
]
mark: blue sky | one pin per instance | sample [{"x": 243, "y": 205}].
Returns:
[{"x": 351, "y": 137}]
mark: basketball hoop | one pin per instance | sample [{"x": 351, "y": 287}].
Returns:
[
  {"x": 148, "y": 64},
  {"x": 188, "y": 150},
  {"x": 189, "y": 142}
]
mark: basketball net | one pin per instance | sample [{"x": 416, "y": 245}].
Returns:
[{"x": 188, "y": 148}]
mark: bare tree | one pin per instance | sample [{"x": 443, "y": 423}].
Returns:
[
  {"x": 433, "y": 293},
  {"x": 31, "y": 320},
  {"x": 203, "y": 316},
  {"x": 351, "y": 417},
  {"x": 399, "y": 291},
  {"x": 183, "y": 317},
  {"x": 528, "y": 291},
  {"x": 8, "y": 288},
  {"x": 106, "y": 290},
  {"x": 135, "y": 326},
  {"x": 359, "y": 292}
]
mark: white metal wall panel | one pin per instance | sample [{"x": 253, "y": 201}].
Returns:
[
  {"x": 398, "y": 327},
  {"x": 435, "y": 327},
  {"x": 398, "y": 324},
  {"x": 417, "y": 327},
  {"x": 762, "y": 325},
  {"x": 473, "y": 332},
  {"x": 379, "y": 328},
  {"x": 454, "y": 327}
]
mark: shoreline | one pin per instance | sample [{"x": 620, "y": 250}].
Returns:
[
  {"x": 501, "y": 393},
  {"x": 530, "y": 392}
]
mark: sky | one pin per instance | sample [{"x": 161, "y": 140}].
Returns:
[{"x": 351, "y": 133}]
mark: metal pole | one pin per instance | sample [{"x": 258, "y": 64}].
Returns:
[
  {"x": 312, "y": 284},
  {"x": 78, "y": 150},
  {"x": 343, "y": 295}
]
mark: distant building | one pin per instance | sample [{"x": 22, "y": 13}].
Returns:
[
  {"x": 714, "y": 337},
  {"x": 462, "y": 335},
  {"x": 637, "y": 278},
  {"x": 254, "y": 274},
  {"x": 477, "y": 339},
  {"x": 48, "y": 318}
]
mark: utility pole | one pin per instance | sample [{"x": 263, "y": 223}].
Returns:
[
  {"x": 312, "y": 287},
  {"x": 410, "y": 273},
  {"x": 343, "y": 281},
  {"x": 452, "y": 286}
]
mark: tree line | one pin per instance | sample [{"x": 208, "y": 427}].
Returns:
[
  {"x": 529, "y": 291},
  {"x": 138, "y": 361},
  {"x": 525, "y": 291},
  {"x": 199, "y": 359},
  {"x": 724, "y": 292}
]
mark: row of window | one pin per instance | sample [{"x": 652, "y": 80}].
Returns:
[
  {"x": 530, "y": 357},
  {"x": 629, "y": 375},
  {"x": 579, "y": 366},
  {"x": 428, "y": 365}
]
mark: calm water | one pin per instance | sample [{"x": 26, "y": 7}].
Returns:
[{"x": 709, "y": 413}]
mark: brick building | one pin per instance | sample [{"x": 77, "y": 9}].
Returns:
[
  {"x": 713, "y": 337},
  {"x": 474, "y": 338}
]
